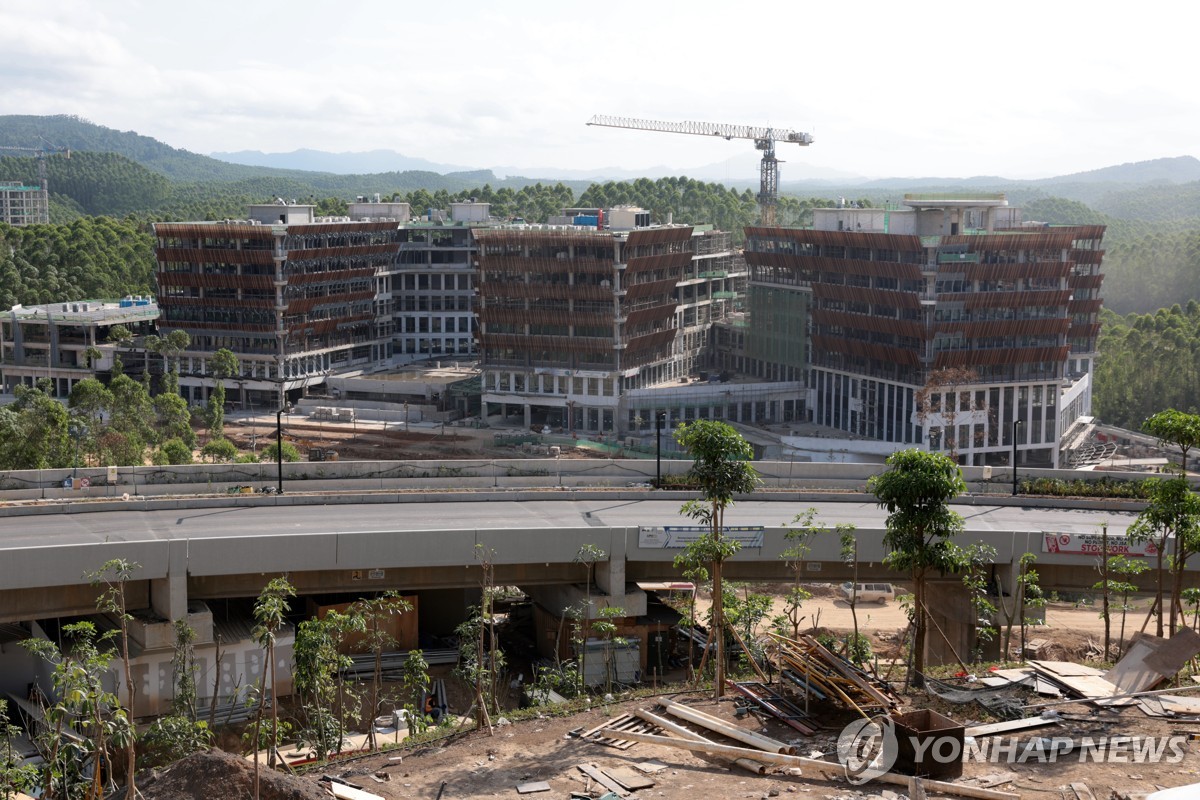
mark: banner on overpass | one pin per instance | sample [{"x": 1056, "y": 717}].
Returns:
[
  {"x": 1092, "y": 544},
  {"x": 680, "y": 536}
]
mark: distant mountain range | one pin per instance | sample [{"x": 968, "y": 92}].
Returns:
[{"x": 388, "y": 169}]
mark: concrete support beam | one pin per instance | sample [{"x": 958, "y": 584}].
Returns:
[{"x": 169, "y": 595}]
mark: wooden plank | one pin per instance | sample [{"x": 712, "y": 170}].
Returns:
[
  {"x": 531, "y": 788},
  {"x": 1131, "y": 673},
  {"x": 603, "y": 725},
  {"x": 1007, "y": 727},
  {"x": 628, "y": 778},
  {"x": 1082, "y": 792},
  {"x": 593, "y": 772},
  {"x": 1174, "y": 704},
  {"x": 824, "y": 767},
  {"x": 996, "y": 779},
  {"x": 1065, "y": 669},
  {"x": 1182, "y": 647},
  {"x": 344, "y": 792}
]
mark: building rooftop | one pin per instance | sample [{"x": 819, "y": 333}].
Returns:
[{"x": 84, "y": 312}]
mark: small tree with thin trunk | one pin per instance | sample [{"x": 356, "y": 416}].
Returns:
[
  {"x": 1177, "y": 428},
  {"x": 376, "y": 612},
  {"x": 916, "y": 491},
  {"x": 15, "y": 776},
  {"x": 588, "y": 555},
  {"x": 721, "y": 467},
  {"x": 270, "y": 614},
  {"x": 113, "y": 577},
  {"x": 799, "y": 538},
  {"x": 1171, "y": 517},
  {"x": 1120, "y": 570}
]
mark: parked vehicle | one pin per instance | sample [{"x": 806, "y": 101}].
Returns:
[{"x": 868, "y": 592}]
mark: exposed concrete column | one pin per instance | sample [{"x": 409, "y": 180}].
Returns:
[
  {"x": 168, "y": 596},
  {"x": 528, "y": 416},
  {"x": 950, "y": 612},
  {"x": 610, "y": 574}
]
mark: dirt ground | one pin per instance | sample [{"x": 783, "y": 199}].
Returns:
[
  {"x": 476, "y": 765},
  {"x": 482, "y": 766},
  {"x": 375, "y": 441}
]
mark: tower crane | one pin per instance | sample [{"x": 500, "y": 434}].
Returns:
[
  {"x": 764, "y": 139},
  {"x": 39, "y": 153}
]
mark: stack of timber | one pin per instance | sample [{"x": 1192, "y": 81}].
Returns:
[{"x": 809, "y": 668}]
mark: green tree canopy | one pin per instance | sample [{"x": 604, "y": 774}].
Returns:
[{"x": 916, "y": 490}]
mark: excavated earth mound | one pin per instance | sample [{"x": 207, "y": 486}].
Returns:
[{"x": 214, "y": 773}]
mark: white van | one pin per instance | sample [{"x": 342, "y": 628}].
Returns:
[{"x": 880, "y": 593}]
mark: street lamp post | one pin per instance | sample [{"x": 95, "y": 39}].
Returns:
[
  {"x": 279, "y": 449},
  {"x": 658, "y": 426},
  {"x": 1016, "y": 422},
  {"x": 76, "y": 431}
]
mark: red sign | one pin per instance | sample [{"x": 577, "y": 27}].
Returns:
[{"x": 1092, "y": 544}]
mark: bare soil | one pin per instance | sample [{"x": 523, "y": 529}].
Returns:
[
  {"x": 371, "y": 441},
  {"x": 478, "y": 765},
  {"x": 216, "y": 774}
]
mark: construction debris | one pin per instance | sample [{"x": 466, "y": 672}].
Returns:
[
  {"x": 724, "y": 728},
  {"x": 624, "y": 722},
  {"x": 595, "y": 773},
  {"x": 826, "y": 768},
  {"x": 1150, "y": 660},
  {"x": 822, "y": 675},
  {"x": 778, "y": 706},
  {"x": 532, "y": 788}
]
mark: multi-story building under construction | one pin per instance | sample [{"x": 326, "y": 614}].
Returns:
[
  {"x": 294, "y": 296},
  {"x": 573, "y": 319},
  {"x": 24, "y": 205},
  {"x": 947, "y": 324}
]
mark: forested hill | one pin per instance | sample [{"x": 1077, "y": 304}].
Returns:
[{"x": 79, "y": 134}]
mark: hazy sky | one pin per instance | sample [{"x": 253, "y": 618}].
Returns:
[{"x": 922, "y": 88}]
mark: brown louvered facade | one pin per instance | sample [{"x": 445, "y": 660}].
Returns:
[
  {"x": 290, "y": 300},
  {"x": 578, "y": 299},
  {"x": 1015, "y": 307},
  {"x": 572, "y": 321}
]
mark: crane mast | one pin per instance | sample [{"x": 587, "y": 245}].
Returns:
[
  {"x": 764, "y": 139},
  {"x": 39, "y": 154}
]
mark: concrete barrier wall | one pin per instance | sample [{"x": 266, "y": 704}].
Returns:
[{"x": 466, "y": 474}]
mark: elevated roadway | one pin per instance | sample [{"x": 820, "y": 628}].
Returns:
[{"x": 434, "y": 542}]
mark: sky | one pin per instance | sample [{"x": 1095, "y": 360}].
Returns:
[{"x": 925, "y": 88}]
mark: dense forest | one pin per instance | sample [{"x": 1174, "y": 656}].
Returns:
[
  {"x": 1147, "y": 363},
  {"x": 90, "y": 258}
]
